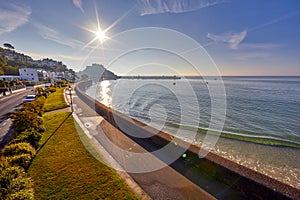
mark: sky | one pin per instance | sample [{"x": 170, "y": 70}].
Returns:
[{"x": 159, "y": 37}]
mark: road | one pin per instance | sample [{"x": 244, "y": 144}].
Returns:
[
  {"x": 9, "y": 102},
  {"x": 7, "y": 105}
]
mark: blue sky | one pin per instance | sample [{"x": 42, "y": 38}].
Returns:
[{"x": 242, "y": 37}]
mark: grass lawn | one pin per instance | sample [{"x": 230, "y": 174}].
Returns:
[
  {"x": 55, "y": 100},
  {"x": 63, "y": 168}
]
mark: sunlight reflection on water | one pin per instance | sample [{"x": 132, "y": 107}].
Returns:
[{"x": 105, "y": 92}]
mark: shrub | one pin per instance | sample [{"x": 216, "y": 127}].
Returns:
[
  {"x": 7, "y": 174},
  {"x": 25, "y": 120},
  {"x": 35, "y": 106},
  {"x": 39, "y": 91},
  {"x": 18, "y": 149},
  {"x": 40, "y": 101},
  {"x": 22, "y": 160},
  {"x": 30, "y": 136},
  {"x": 28, "y": 116},
  {"x": 25, "y": 194},
  {"x": 13, "y": 183},
  {"x": 31, "y": 107},
  {"x": 51, "y": 89}
]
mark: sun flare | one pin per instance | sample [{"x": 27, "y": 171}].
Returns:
[{"x": 100, "y": 35}]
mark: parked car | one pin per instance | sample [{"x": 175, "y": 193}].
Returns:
[{"x": 29, "y": 98}]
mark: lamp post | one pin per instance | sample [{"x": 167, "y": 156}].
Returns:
[{"x": 71, "y": 103}]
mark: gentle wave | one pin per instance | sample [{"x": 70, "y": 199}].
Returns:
[{"x": 268, "y": 140}]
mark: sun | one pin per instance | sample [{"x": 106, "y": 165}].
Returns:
[{"x": 100, "y": 35}]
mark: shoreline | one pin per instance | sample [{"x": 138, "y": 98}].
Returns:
[{"x": 257, "y": 139}]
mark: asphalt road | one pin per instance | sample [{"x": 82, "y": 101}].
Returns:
[{"x": 10, "y": 102}]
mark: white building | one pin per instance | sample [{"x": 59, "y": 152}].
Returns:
[
  {"x": 43, "y": 75},
  {"x": 59, "y": 75},
  {"x": 52, "y": 75},
  {"x": 29, "y": 74},
  {"x": 9, "y": 77}
]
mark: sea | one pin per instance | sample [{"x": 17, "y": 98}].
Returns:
[{"x": 259, "y": 116}]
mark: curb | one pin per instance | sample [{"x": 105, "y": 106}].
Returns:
[{"x": 66, "y": 97}]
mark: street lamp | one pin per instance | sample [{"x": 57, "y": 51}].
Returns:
[{"x": 71, "y": 103}]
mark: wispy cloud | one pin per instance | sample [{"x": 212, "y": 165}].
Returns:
[
  {"x": 250, "y": 56},
  {"x": 150, "y": 7},
  {"x": 12, "y": 16},
  {"x": 232, "y": 39},
  {"x": 55, "y": 36},
  {"x": 259, "y": 46},
  {"x": 78, "y": 4},
  {"x": 61, "y": 57}
]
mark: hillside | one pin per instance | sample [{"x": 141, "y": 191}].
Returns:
[{"x": 11, "y": 61}]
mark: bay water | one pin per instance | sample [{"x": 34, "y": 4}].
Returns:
[{"x": 253, "y": 109}]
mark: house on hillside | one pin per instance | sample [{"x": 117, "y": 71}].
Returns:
[
  {"x": 47, "y": 62},
  {"x": 29, "y": 74}
]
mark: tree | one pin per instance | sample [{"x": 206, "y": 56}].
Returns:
[
  {"x": 6, "y": 68},
  {"x": 9, "y": 46},
  {"x": 3, "y": 61}
]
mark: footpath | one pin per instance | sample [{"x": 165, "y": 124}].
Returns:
[{"x": 165, "y": 183}]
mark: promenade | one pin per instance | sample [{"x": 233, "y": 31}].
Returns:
[{"x": 165, "y": 183}]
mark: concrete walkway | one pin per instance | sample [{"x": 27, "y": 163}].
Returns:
[
  {"x": 109, "y": 160},
  {"x": 67, "y": 109},
  {"x": 165, "y": 183}
]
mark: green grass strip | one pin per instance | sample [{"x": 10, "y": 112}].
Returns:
[
  {"x": 64, "y": 169},
  {"x": 55, "y": 100}
]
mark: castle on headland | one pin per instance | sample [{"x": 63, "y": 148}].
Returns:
[{"x": 97, "y": 72}]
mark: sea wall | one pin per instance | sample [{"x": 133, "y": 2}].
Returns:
[{"x": 251, "y": 184}]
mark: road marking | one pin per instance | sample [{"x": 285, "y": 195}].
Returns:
[{"x": 4, "y": 123}]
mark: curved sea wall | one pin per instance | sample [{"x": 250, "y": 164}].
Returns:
[{"x": 249, "y": 183}]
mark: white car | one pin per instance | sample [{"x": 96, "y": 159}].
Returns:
[{"x": 29, "y": 98}]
